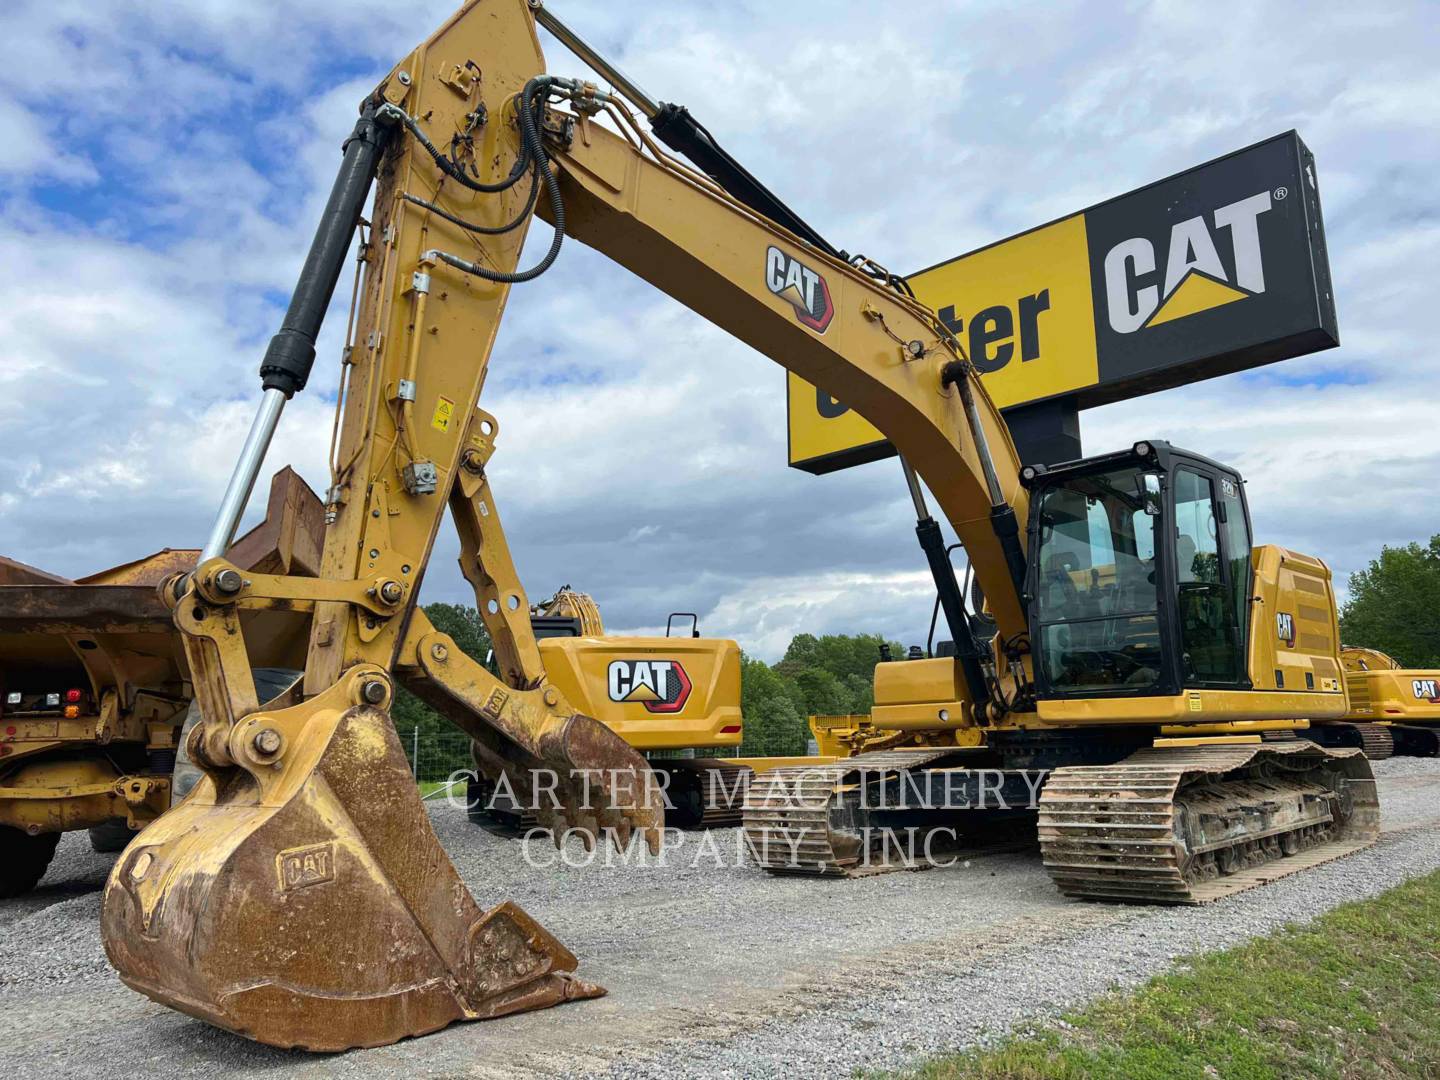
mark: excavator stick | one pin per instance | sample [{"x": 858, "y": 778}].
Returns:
[
  {"x": 590, "y": 779},
  {"x": 299, "y": 896},
  {"x": 306, "y": 902}
]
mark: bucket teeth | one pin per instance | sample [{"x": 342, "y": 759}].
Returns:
[
  {"x": 607, "y": 780},
  {"x": 312, "y": 906}
]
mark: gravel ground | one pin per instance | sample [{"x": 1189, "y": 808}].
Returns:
[{"x": 713, "y": 970}]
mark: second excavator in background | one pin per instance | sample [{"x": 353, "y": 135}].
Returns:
[
  {"x": 666, "y": 696},
  {"x": 1403, "y": 702}
]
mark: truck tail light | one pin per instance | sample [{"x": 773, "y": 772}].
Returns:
[{"x": 72, "y": 697}]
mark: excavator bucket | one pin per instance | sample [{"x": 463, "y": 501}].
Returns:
[
  {"x": 299, "y": 895},
  {"x": 304, "y": 901}
]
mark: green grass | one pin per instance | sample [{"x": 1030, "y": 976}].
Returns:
[
  {"x": 429, "y": 788},
  {"x": 1356, "y": 993}
]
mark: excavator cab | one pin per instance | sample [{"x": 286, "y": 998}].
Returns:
[{"x": 1140, "y": 574}]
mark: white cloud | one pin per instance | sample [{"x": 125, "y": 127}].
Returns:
[
  {"x": 158, "y": 208},
  {"x": 25, "y": 149}
]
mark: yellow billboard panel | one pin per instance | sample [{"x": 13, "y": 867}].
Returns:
[
  {"x": 825, "y": 434},
  {"x": 1023, "y": 311}
]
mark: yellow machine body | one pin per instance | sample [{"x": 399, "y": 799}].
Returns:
[
  {"x": 1295, "y": 672},
  {"x": 656, "y": 693},
  {"x": 920, "y": 695},
  {"x": 1381, "y": 691},
  {"x": 1293, "y": 660}
]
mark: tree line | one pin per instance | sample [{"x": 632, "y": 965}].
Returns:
[
  {"x": 829, "y": 675},
  {"x": 1394, "y": 605}
]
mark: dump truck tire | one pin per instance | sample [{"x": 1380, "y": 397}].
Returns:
[
  {"x": 110, "y": 837},
  {"x": 23, "y": 860},
  {"x": 268, "y": 683}
]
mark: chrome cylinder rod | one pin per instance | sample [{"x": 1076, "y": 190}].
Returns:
[
  {"x": 917, "y": 495},
  {"x": 291, "y": 353},
  {"x": 242, "y": 480},
  {"x": 606, "y": 70},
  {"x": 982, "y": 445}
]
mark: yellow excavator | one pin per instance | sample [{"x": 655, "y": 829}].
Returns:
[
  {"x": 665, "y": 696},
  {"x": 299, "y": 896},
  {"x": 1155, "y": 631},
  {"x": 1404, "y": 702}
]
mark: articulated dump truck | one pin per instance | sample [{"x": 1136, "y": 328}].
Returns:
[{"x": 94, "y": 687}]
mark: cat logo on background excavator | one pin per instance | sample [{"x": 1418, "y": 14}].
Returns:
[
  {"x": 1285, "y": 627},
  {"x": 1426, "y": 690},
  {"x": 1195, "y": 278},
  {"x": 790, "y": 279},
  {"x": 661, "y": 685}
]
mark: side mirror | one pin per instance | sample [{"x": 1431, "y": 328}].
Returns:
[{"x": 1149, "y": 484}]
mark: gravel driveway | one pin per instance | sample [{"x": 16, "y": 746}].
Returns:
[{"x": 712, "y": 970}]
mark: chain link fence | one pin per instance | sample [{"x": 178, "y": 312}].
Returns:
[{"x": 435, "y": 756}]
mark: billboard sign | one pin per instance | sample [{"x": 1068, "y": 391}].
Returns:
[{"x": 1213, "y": 270}]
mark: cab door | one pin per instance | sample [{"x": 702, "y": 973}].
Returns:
[{"x": 1211, "y": 538}]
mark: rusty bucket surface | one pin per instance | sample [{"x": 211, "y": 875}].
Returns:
[{"x": 307, "y": 902}]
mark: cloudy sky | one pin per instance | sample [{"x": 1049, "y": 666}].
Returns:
[{"x": 162, "y": 166}]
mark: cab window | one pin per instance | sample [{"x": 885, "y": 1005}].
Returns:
[
  {"x": 1096, "y": 591},
  {"x": 1205, "y": 601}
]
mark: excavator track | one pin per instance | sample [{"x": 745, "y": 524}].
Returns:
[
  {"x": 705, "y": 793},
  {"x": 1376, "y": 741},
  {"x": 788, "y": 820},
  {"x": 1188, "y": 826},
  {"x": 1411, "y": 740}
]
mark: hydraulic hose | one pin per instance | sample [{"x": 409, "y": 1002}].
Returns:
[
  {"x": 484, "y": 230},
  {"x": 534, "y": 151},
  {"x": 448, "y": 167}
]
